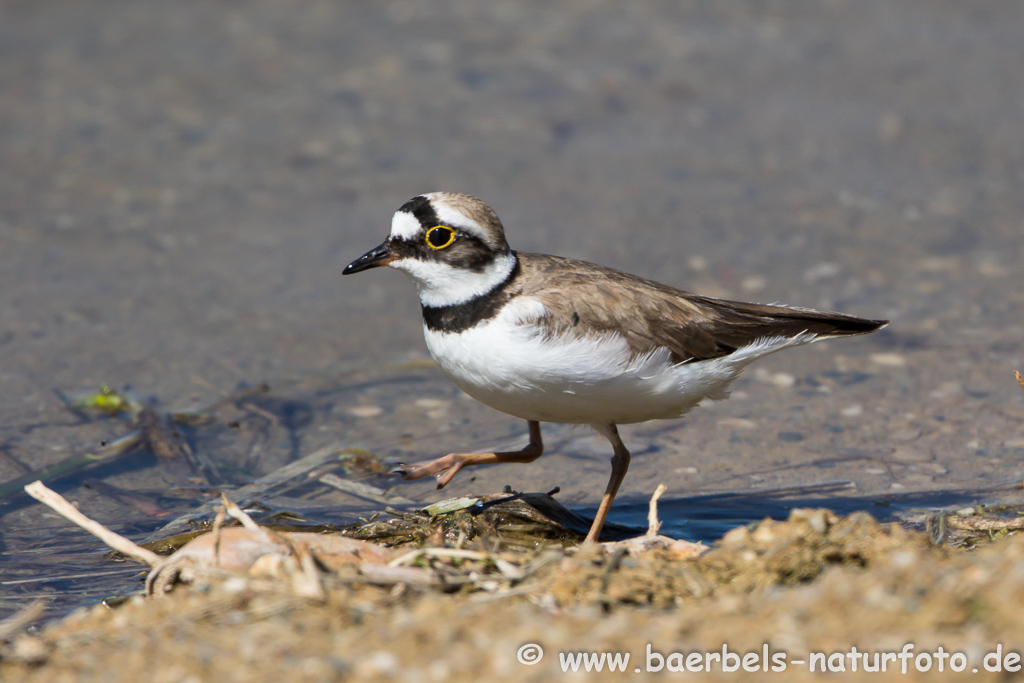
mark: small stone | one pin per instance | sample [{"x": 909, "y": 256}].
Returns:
[
  {"x": 818, "y": 521},
  {"x": 905, "y": 435},
  {"x": 432, "y": 403},
  {"x": 736, "y": 537},
  {"x": 892, "y": 360},
  {"x": 903, "y": 559},
  {"x": 736, "y": 423},
  {"x": 904, "y": 454},
  {"x": 763, "y": 534},
  {"x": 782, "y": 379},
  {"x": 365, "y": 411},
  {"x": 29, "y": 650},
  {"x": 378, "y": 662},
  {"x": 852, "y": 411}
]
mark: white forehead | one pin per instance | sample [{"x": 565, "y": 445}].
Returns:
[{"x": 404, "y": 225}]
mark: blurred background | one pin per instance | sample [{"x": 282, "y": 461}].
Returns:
[{"x": 182, "y": 183}]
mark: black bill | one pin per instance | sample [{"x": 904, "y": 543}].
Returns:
[{"x": 376, "y": 257}]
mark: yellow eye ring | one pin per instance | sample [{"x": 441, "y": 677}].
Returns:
[{"x": 439, "y": 240}]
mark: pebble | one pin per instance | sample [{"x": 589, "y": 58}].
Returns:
[
  {"x": 736, "y": 423},
  {"x": 906, "y": 434},
  {"x": 892, "y": 360},
  {"x": 29, "y": 650},
  {"x": 818, "y": 522},
  {"x": 852, "y": 411},
  {"x": 779, "y": 379},
  {"x": 432, "y": 403},
  {"x": 378, "y": 662},
  {"x": 737, "y": 536},
  {"x": 782, "y": 379},
  {"x": 903, "y": 559},
  {"x": 903, "y": 454},
  {"x": 763, "y": 534},
  {"x": 365, "y": 411}
]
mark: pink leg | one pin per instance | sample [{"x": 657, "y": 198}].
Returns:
[
  {"x": 446, "y": 467},
  {"x": 620, "y": 463}
]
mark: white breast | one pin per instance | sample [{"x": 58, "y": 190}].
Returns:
[{"x": 510, "y": 365}]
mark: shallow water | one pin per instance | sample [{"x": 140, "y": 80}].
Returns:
[{"x": 182, "y": 186}]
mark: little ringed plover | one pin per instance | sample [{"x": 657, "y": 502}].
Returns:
[{"x": 552, "y": 339}]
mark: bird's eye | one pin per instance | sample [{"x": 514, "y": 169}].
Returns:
[{"x": 439, "y": 237}]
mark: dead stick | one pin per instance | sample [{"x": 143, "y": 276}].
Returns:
[
  {"x": 653, "y": 525},
  {"x": 65, "y": 509},
  {"x": 239, "y": 514}
]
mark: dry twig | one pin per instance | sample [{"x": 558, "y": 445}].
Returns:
[
  {"x": 65, "y": 509},
  {"x": 653, "y": 525}
]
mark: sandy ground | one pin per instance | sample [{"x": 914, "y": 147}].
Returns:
[
  {"x": 816, "y": 593},
  {"x": 182, "y": 183}
]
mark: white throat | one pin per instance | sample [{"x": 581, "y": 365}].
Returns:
[{"x": 441, "y": 284}]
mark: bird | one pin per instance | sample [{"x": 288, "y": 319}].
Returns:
[{"x": 552, "y": 339}]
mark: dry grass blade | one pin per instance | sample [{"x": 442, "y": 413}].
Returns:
[
  {"x": 24, "y": 617},
  {"x": 1020, "y": 379},
  {"x": 65, "y": 509}
]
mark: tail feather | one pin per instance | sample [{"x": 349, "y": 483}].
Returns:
[
  {"x": 787, "y": 320},
  {"x": 735, "y": 325}
]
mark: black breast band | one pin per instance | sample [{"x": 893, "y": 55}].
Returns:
[{"x": 460, "y": 317}]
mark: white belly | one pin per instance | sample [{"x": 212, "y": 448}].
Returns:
[{"x": 510, "y": 366}]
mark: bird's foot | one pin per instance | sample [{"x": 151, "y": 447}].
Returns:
[{"x": 443, "y": 469}]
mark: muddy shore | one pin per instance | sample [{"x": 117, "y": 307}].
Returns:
[{"x": 181, "y": 185}]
